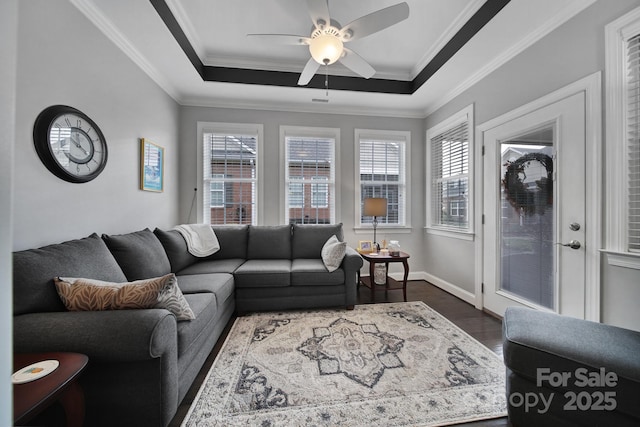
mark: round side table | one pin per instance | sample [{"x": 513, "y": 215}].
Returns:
[
  {"x": 390, "y": 283},
  {"x": 31, "y": 398}
]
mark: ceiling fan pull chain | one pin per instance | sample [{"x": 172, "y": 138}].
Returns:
[{"x": 326, "y": 79}]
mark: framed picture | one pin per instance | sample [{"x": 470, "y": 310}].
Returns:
[
  {"x": 365, "y": 246},
  {"x": 151, "y": 166}
]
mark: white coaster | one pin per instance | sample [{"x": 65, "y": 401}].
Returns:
[{"x": 34, "y": 371}]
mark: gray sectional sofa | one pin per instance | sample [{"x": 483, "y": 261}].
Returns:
[{"x": 142, "y": 362}]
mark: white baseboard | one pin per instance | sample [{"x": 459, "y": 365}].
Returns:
[
  {"x": 442, "y": 284},
  {"x": 450, "y": 287}
]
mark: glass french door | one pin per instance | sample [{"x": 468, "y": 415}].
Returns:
[{"x": 534, "y": 205}]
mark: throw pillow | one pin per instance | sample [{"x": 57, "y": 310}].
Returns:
[
  {"x": 140, "y": 254},
  {"x": 333, "y": 252},
  {"x": 80, "y": 294},
  {"x": 176, "y": 248}
]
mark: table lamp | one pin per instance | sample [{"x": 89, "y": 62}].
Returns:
[{"x": 375, "y": 207}]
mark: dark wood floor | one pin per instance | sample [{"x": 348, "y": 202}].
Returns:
[{"x": 482, "y": 326}]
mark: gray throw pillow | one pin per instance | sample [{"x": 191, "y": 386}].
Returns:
[
  {"x": 333, "y": 252},
  {"x": 269, "y": 242},
  {"x": 308, "y": 239},
  {"x": 176, "y": 248},
  {"x": 233, "y": 241},
  {"x": 140, "y": 254},
  {"x": 34, "y": 270}
]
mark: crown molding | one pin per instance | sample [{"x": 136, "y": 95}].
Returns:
[
  {"x": 444, "y": 38},
  {"x": 89, "y": 9},
  {"x": 187, "y": 26},
  {"x": 568, "y": 12}
]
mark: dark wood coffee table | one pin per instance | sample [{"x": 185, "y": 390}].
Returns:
[
  {"x": 390, "y": 283},
  {"x": 31, "y": 398}
]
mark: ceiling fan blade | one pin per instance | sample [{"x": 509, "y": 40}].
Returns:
[
  {"x": 355, "y": 63},
  {"x": 308, "y": 72},
  {"x": 282, "y": 38},
  {"x": 375, "y": 22},
  {"x": 319, "y": 12}
]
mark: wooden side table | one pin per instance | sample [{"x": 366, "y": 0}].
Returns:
[
  {"x": 31, "y": 398},
  {"x": 390, "y": 283}
]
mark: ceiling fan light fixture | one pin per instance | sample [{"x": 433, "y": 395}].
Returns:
[{"x": 326, "y": 49}]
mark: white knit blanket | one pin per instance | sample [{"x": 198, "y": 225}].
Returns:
[{"x": 201, "y": 239}]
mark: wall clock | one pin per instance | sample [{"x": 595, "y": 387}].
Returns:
[{"x": 69, "y": 144}]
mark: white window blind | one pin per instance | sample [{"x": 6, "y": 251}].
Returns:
[
  {"x": 633, "y": 143},
  {"x": 382, "y": 174},
  {"x": 310, "y": 160},
  {"x": 450, "y": 177},
  {"x": 230, "y": 166}
]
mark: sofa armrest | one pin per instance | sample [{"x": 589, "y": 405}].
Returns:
[
  {"x": 352, "y": 261},
  {"x": 113, "y": 336},
  {"x": 351, "y": 264}
]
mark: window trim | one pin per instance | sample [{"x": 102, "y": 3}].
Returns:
[
  {"x": 308, "y": 132},
  {"x": 617, "y": 34},
  {"x": 219, "y": 127},
  {"x": 468, "y": 233},
  {"x": 401, "y": 136}
]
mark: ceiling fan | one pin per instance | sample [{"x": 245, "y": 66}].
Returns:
[{"x": 326, "y": 42}]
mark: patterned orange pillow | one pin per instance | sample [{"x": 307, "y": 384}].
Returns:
[{"x": 80, "y": 294}]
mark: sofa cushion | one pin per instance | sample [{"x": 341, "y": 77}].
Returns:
[
  {"x": 260, "y": 273},
  {"x": 220, "y": 284},
  {"x": 333, "y": 252},
  {"x": 80, "y": 294},
  {"x": 34, "y": 270},
  {"x": 140, "y": 254},
  {"x": 176, "y": 248},
  {"x": 270, "y": 242},
  {"x": 212, "y": 266},
  {"x": 206, "y": 310},
  {"x": 233, "y": 241},
  {"x": 308, "y": 239},
  {"x": 312, "y": 272}
]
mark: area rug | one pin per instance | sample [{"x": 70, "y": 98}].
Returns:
[{"x": 394, "y": 364}]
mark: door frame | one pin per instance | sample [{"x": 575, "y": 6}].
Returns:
[{"x": 592, "y": 87}]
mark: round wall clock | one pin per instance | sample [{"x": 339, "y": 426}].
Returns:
[{"x": 69, "y": 144}]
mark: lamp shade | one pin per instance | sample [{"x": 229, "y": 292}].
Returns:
[{"x": 375, "y": 206}]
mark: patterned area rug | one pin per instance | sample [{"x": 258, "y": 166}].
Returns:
[{"x": 391, "y": 364}]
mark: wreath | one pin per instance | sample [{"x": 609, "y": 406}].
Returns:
[{"x": 521, "y": 197}]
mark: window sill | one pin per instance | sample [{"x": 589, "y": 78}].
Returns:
[
  {"x": 454, "y": 234},
  {"x": 384, "y": 229},
  {"x": 623, "y": 259}
]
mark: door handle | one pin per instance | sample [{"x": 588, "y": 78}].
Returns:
[{"x": 573, "y": 244}]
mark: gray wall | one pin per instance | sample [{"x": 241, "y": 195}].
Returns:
[
  {"x": 574, "y": 50},
  {"x": 64, "y": 59},
  {"x": 8, "y": 44},
  {"x": 271, "y": 121}
]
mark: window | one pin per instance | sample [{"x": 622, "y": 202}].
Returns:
[
  {"x": 229, "y": 173},
  {"x": 381, "y": 172},
  {"x": 633, "y": 144},
  {"x": 319, "y": 193},
  {"x": 623, "y": 139},
  {"x": 217, "y": 191},
  {"x": 296, "y": 192},
  {"x": 449, "y": 175},
  {"x": 310, "y": 168}
]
